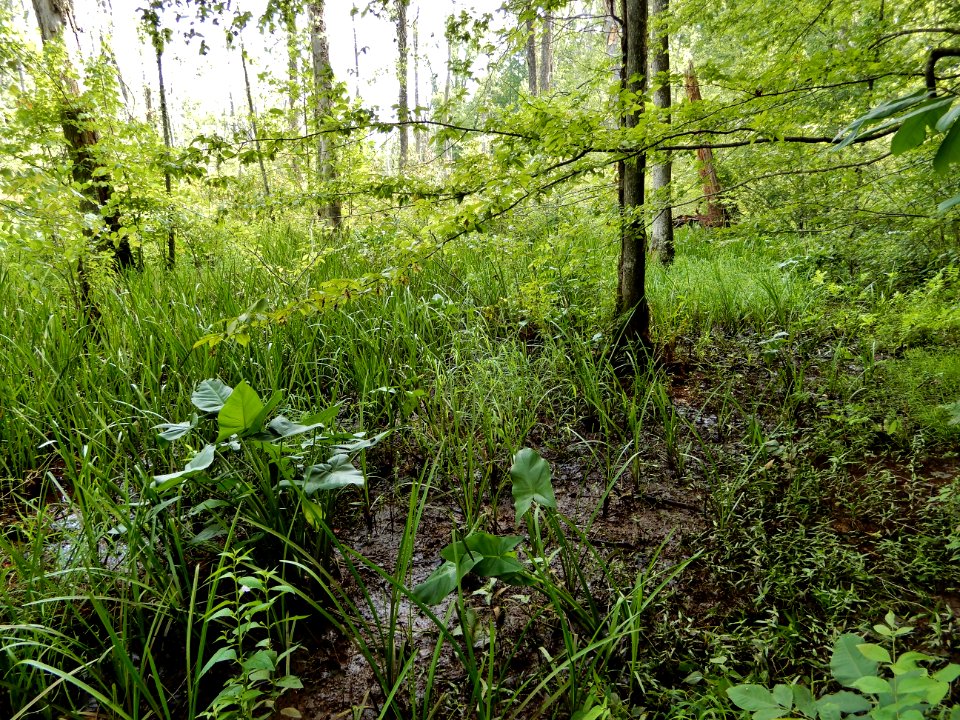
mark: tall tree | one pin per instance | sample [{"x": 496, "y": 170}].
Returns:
[
  {"x": 323, "y": 89},
  {"x": 150, "y": 18},
  {"x": 253, "y": 122},
  {"x": 545, "y": 79},
  {"x": 531, "y": 57},
  {"x": 631, "y": 291},
  {"x": 716, "y": 213},
  {"x": 403, "y": 108},
  {"x": 80, "y": 134},
  {"x": 417, "y": 132},
  {"x": 661, "y": 232}
]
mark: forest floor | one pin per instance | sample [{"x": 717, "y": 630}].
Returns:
[{"x": 783, "y": 471}]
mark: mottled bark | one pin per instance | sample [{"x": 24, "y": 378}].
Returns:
[
  {"x": 403, "y": 105},
  {"x": 53, "y": 18},
  {"x": 631, "y": 291},
  {"x": 661, "y": 233},
  {"x": 417, "y": 132},
  {"x": 323, "y": 88},
  {"x": 545, "y": 78},
  {"x": 717, "y": 215},
  {"x": 531, "y": 58}
]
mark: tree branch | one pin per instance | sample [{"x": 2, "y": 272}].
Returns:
[{"x": 935, "y": 55}]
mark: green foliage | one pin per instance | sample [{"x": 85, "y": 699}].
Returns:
[
  {"x": 882, "y": 683},
  {"x": 250, "y": 617}
]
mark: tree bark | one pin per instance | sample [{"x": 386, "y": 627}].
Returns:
[
  {"x": 293, "y": 84},
  {"x": 417, "y": 132},
  {"x": 53, "y": 17},
  {"x": 662, "y": 229},
  {"x": 253, "y": 123},
  {"x": 546, "y": 55},
  {"x": 531, "y": 58},
  {"x": 168, "y": 144},
  {"x": 717, "y": 215},
  {"x": 322, "y": 108},
  {"x": 631, "y": 292},
  {"x": 403, "y": 108}
]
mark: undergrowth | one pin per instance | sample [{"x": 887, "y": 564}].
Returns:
[{"x": 788, "y": 453}]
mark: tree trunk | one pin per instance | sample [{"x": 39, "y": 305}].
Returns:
[
  {"x": 168, "y": 144},
  {"x": 546, "y": 55},
  {"x": 323, "y": 106},
  {"x": 531, "y": 58},
  {"x": 417, "y": 132},
  {"x": 403, "y": 109},
  {"x": 716, "y": 213},
  {"x": 53, "y": 16},
  {"x": 293, "y": 85},
  {"x": 447, "y": 144},
  {"x": 662, "y": 230},
  {"x": 253, "y": 122},
  {"x": 631, "y": 292}
]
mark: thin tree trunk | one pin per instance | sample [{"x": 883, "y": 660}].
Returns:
[
  {"x": 168, "y": 144},
  {"x": 403, "y": 110},
  {"x": 546, "y": 55},
  {"x": 417, "y": 132},
  {"x": 447, "y": 144},
  {"x": 293, "y": 84},
  {"x": 717, "y": 215},
  {"x": 253, "y": 123},
  {"x": 662, "y": 230},
  {"x": 531, "y": 58},
  {"x": 323, "y": 107},
  {"x": 631, "y": 295},
  {"x": 53, "y": 17},
  {"x": 356, "y": 56}
]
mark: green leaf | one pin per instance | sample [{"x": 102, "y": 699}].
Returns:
[
  {"x": 753, "y": 698},
  {"x": 531, "y": 482},
  {"x": 949, "y": 150},
  {"x": 268, "y": 408},
  {"x": 874, "y": 652},
  {"x": 210, "y": 395},
  {"x": 846, "y": 702},
  {"x": 803, "y": 699},
  {"x": 239, "y": 413},
  {"x": 201, "y": 461},
  {"x": 784, "y": 696},
  {"x": 948, "y": 120},
  {"x": 261, "y": 660},
  {"x": 175, "y": 431},
  {"x": 947, "y": 204},
  {"x": 828, "y": 710},
  {"x": 313, "y": 512},
  {"x": 443, "y": 581},
  {"x": 882, "y": 111},
  {"x": 284, "y": 427},
  {"x": 910, "y": 135},
  {"x": 221, "y": 655},
  {"x": 335, "y": 473},
  {"x": 494, "y": 554},
  {"x": 361, "y": 443},
  {"x": 948, "y": 674},
  {"x": 871, "y": 684},
  {"x": 907, "y": 662},
  {"x": 848, "y": 664}
]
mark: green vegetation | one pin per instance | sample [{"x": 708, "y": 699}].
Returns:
[{"x": 341, "y": 440}]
